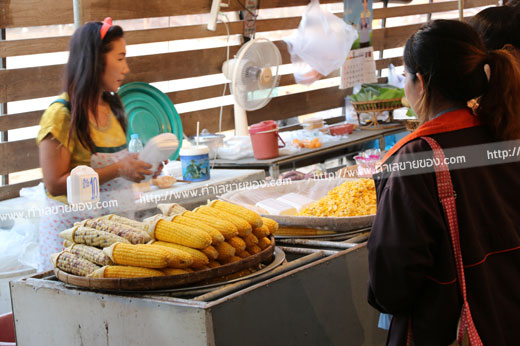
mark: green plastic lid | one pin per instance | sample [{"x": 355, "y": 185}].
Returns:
[{"x": 150, "y": 112}]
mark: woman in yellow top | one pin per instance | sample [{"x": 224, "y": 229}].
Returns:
[{"x": 86, "y": 126}]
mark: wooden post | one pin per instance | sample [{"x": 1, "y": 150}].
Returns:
[
  {"x": 461, "y": 10},
  {"x": 78, "y": 13}
]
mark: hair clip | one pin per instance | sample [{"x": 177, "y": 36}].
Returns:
[{"x": 107, "y": 23}]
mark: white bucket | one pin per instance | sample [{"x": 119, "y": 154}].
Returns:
[{"x": 5, "y": 292}]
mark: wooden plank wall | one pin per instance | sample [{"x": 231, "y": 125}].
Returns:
[{"x": 44, "y": 81}]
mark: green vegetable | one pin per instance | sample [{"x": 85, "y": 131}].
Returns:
[{"x": 373, "y": 92}]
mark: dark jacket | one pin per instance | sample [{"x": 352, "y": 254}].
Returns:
[{"x": 412, "y": 270}]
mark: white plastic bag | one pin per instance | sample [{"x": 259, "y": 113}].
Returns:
[
  {"x": 394, "y": 78},
  {"x": 19, "y": 246},
  {"x": 321, "y": 44},
  {"x": 236, "y": 148}
]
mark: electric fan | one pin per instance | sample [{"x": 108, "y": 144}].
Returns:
[{"x": 253, "y": 73}]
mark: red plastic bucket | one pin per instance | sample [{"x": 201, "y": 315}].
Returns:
[
  {"x": 7, "y": 330},
  {"x": 264, "y": 137}
]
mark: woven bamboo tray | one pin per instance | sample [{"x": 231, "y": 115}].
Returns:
[
  {"x": 412, "y": 124},
  {"x": 376, "y": 107},
  {"x": 165, "y": 282}
]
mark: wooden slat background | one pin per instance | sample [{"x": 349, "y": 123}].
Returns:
[{"x": 45, "y": 81}]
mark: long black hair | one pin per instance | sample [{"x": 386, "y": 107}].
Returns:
[
  {"x": 451, "y": 57},
  {"x": 498, "y": 26},
  {"x": 83, "y": 78}
]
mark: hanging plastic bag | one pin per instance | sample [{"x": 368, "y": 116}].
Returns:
[{"x": 321, "y": 44}]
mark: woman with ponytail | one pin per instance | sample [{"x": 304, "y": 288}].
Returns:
[{"x": 451, "y": 186}]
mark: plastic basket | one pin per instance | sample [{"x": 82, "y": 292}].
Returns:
[{"x": 412, "y": 124}]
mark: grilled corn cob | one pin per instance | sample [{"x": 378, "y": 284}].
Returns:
[
  {"x": 238, "y": 243},
  {"x": 181, "y": 234},
  {"x": 211, "y": 252},
  {"x": 174, "y": 271},
  {"x": 216, "y": 236},
  {"x": 180, "y": 259},
  {"x": 271, "y": 224},
  {"x": 92, "y": 237},
  {"x": 132, "y": 234},
  {"x": 225, "y": 250},
  {"x": 171, "y": 209},
  {"x": 261, "y": 232},
  {"x": 253, "y": 250},
  {"x": 124, "y": 220},
  {"x": 67, "y": 243},
  {"x": 251, "y": 240},
  {"x": 199, "y": 258},
  {"x": 243, "y": 227},
  {"x": 139, "y": 255},
  {"x": 243, "y": 254},
  {"x": 231, "y": 259},
  {"x": 214, "y": 264},
  {"x": 117, "y": 272},
  {"x": 202, "y": 268},
  {"x": 264, "y": 242},
  {"x": 90, "y": 253},
  {"x": 254, "y": 219},
  {"x": 226, "y": 228},
  {"x": 73, "y": 264}
]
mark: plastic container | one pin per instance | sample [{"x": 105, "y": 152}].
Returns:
[
  {"x": 135, "y": 145},
  {"x": 82, "y": 185},
  {"x": 195, "y": 163},
  {"x": 7, "y": 337},
  {"x": 264, "y": 138},
  {"x": 341, "y": 129},
  {"x": 311, "y": 124}
]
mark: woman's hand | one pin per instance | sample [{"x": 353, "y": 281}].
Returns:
[
  {"x": 133, "y": 169},
  {"x": 159, "y": 169}
]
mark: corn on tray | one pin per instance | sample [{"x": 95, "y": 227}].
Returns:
[
  {"x": 166, "y": 282},
  {"x": 312, "y": 188}
]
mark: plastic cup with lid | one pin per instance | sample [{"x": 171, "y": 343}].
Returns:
[{"x": 195, "y": 162}]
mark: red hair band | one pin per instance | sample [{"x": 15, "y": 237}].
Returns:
[{"x": 107, "y": 23}]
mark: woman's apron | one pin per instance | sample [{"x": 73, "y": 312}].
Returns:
[{"x": 116, "y": 197}]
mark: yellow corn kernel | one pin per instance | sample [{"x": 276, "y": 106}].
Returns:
[
  {"x": 174, "y": 271},
  {"x": 216, "y": 236},
  {"x": 179, "y": 258},
  {"x": 226, "y": 228},
  {"x": 264, "y": 242},
  {"x": 261, "y": 232},
  {"x": 211, "y": 252},
  {"x": 181, "y": 234},
  {"x": 73, "y": 264},
  {"x": 251, "y": 240},
  {"x": 225, "y": 250},
  {"x": 352, "y": 198},
  {"x": 243, "y": 254},
  {"x": 253, "y": 250},
  {"x": 139, "y": 255},
  {"x": 120, "y": 272},
  {"x": 91, "y": 254},
  {"x": 244, "y": 228},
  {"x": 271, "y": 224},
  {"x": 214, "y": 264},
  {"x": 238, "y": 243},
  {"x": 92, "y": 237},
  {"x": 199, "y": 258},
  {"x": 231, "y": 259},
  {"x": 254, "y": 219}
]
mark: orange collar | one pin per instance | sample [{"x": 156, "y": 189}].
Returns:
[{"x": 450, "y": 121}]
